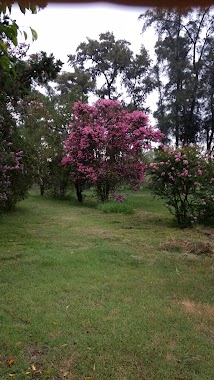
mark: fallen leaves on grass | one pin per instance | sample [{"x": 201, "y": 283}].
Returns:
[
  {"x": 33, "y": 367},
  {"x": 66, "y": 369},
  {"x": 10, "y": 362}
]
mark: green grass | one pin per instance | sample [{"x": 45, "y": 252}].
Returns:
[
  {"x": 93, "y": 295},
  {"x": 115, "y": 207}
]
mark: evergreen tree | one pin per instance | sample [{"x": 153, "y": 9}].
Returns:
[{"x": 181, "y": 51}]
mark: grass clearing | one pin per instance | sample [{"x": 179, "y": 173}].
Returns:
[
  {"x": 114, "y": 207},
  {"x": 93, "y": 295}
]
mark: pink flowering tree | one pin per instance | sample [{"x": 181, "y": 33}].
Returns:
[
  {"x": 185, "y": 179},
  {"x": 10, "y": 162},
  {"x": 15, "y": 171},
  {"x": 104, "y": 147}
]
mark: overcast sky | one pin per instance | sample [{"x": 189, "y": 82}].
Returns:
[{"x": 61, "y": 27}]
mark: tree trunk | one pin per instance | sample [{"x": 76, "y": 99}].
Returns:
[
  {"x": 42, "y": 186},
  {"x": 103, "y": 191},
  {"x": 78, "y": 192}
]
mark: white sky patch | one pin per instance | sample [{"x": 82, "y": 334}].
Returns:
[{"x": 62, "y": 27}]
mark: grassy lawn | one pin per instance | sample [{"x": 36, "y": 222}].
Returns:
[{"x": 89, "y": 295}]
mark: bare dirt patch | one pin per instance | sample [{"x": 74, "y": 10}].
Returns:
[
  {"x": 188, "y": 246},
  {"x": 171, "y": 358},
  {"x": 94, "y": 231},
  {"x": 69, "y": 218},
  {"x": 106, "y": 235},
  {"x": 209, "y": 233},
  {"x": 204, "y": 310},
  {"x": 66, "y": 369}
]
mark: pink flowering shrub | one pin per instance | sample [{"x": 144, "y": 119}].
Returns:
[
  {"x": 184, "y": 178},
  {"x": 120, "y": 198},
  {"x": 104, "y": 148},
  {"x": 15, "y": 179}
]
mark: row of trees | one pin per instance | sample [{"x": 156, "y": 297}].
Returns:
[
  {"x": 181, "y": 71},
  {"x": 19, "y": 149},
  {"x": 184, "y": 73},
  {"x": 34, "y": 125}
]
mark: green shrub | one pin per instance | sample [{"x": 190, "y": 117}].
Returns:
[
  {"x": 115, "y": 207},
  {"x": 185, "y": 179}
]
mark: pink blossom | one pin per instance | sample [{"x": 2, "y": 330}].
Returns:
[
  {"x": 185, "y": 172},
  {"x": 121, "y": 198},
  {"x": 107, "y": 140}
]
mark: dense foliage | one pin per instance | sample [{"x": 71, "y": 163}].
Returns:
[
  {"x": 185, "y": 179},
  {"x": 183, "y": 72},
  {"x": 110, "y": 61},
  {"x": 18, "y": 76},
  {"x": 105, "y": 142},
  {"x": 10, "y": 163},
  {"x": 104, "y": 148}
]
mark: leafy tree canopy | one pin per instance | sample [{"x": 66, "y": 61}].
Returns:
[
  {"x": 184, "y": 63},
  {"x": 106, "y": 57}
]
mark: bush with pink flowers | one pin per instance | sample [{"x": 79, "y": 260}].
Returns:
[
  {"x": 120, "y": 198},
  {"x": 185, "y": 179},
  {"x": 104, "y": 148},
  {"x": 15, "y": 172}
]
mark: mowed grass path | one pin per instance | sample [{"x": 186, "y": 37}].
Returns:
[{"x": 92, "y": 296}]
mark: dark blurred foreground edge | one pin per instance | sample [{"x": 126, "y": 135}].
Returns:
[{"x": 146, "y": 3}]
